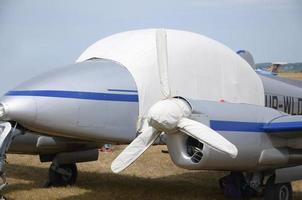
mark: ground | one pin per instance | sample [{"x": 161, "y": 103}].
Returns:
[
  {"x": 153, "y": 176},
  {"x": 297, "y": 76}
]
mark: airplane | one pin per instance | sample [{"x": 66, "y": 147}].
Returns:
[
  {"x": 215, "y": 111},
  {"x": 247, "y": 56},
  {"x": 287, "y": 103},
  {"x": 274, "y": 68}
]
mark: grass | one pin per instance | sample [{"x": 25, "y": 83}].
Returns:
[
  {"x": 153, "y": 176},
  {"x": 296, "y": 76}
]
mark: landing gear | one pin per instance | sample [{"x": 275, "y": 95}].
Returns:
[
  {"x": 280, "y": 191},
  {"x": 62, "y": 175},
  {"x": 235, "y": 186},
  {"x": 239, "y": 185},
  {"x": 7, "y": 135}
]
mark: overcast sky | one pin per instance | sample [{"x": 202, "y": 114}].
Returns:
[{"x": 36, "y": 35}]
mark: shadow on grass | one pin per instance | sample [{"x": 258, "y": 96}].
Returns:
[
  {"x": 192, "y": 185},
  {"x": 111, "y": 186}
]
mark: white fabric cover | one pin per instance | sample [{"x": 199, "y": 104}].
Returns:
[
  {"x": 170, "y": 114},
  {"x": 199, "y": 67},
  {"x": 133, "y": 151},
  {"x": 165, "y": 115},
  {"x": 162, "y": 62}
]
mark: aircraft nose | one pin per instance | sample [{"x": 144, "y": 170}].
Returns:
[{"x": 17, "y": 108}]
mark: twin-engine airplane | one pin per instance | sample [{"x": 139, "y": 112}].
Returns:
[{"x": 136, "y": 85}]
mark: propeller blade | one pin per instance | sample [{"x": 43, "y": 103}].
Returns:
[
  {"x": 7, "y": 127},
  {"x": 135, "y": 149},
  {"x": 207, "y": 135},
  {"x": 162, "y": 59}
]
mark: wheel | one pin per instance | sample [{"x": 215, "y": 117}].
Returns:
[
  {"x": 234, "y": 186},
  {"x": 62, "y": 175},
  {"x": 281, "y": 191}
]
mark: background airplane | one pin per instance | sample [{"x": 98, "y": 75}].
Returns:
[{"x": 208, "y": 101}]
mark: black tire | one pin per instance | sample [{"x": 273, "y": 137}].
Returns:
[
  {"x": 57, "y": 179},
  {"x": 281, "y": 191}
]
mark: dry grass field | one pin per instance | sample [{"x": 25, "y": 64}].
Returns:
[
  {"x": 296, "y": 76},
  {"x": 153, "y": 176}
]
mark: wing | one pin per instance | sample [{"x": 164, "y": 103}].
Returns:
[{"x": 285, "y": 126}]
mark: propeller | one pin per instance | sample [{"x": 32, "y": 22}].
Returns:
[{"x": 169, "y": 116}]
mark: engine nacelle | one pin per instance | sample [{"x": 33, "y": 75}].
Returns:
[{"x": 188, "y": 153}]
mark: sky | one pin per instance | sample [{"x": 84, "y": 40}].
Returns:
[{"x": 37, "y": 36}]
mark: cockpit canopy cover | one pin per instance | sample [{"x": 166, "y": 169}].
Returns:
[{"x": 198, "y": 67}]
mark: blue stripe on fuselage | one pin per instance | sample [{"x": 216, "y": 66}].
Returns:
[
  {"x": 75, "y": 95},
  {"x": 236, "y": 126},
  {"x": 218, "y": 125},
  {"x": 274, "y": 127}
]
